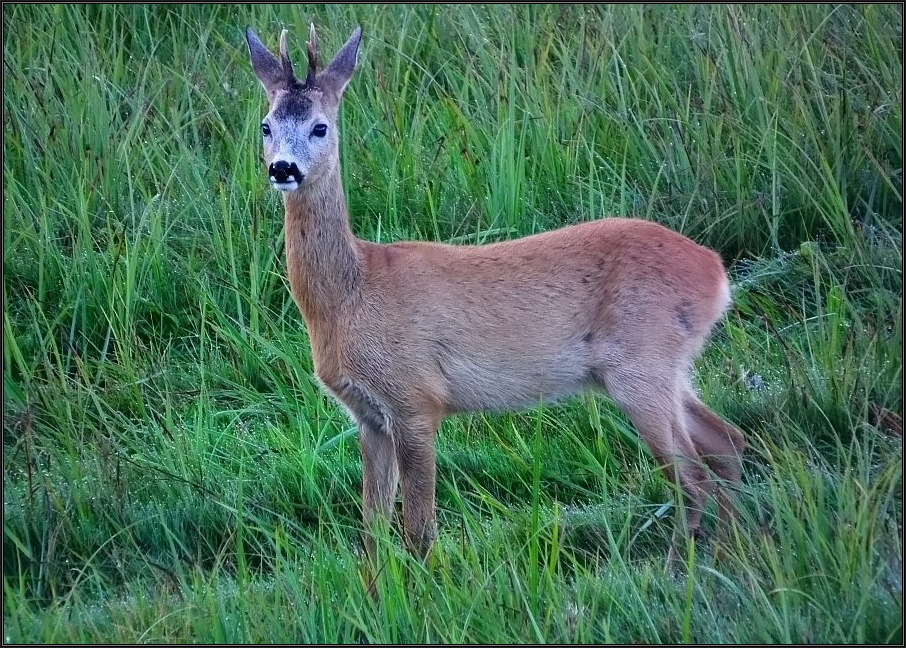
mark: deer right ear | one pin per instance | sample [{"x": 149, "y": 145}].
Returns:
[
  {"x": 335, "y": 78},
  {"x": 267, "y": 68}
]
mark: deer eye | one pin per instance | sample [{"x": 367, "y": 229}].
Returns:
[
  {"x": 320, "y": 130},
  {"x": 265, "y": 130}
]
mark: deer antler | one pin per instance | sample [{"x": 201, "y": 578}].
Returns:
[
  {"x": 312, "y": 57},
  {"x": 284, "y": 59}
]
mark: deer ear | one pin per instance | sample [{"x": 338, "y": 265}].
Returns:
[
  {"x": 267, "y": 68},
  {"x": 335, "y": 77}
]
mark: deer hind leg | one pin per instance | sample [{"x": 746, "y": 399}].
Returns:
[
  {"x": 721, "y": 446},
  {"x": 380, "y": 477},
  {"x": 416, "y": 457},
  {"x": 654, "y": 405}
]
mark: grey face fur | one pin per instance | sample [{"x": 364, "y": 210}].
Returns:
[{"x": 299, "y": 131}]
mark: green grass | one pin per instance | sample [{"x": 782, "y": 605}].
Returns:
[{"x": 172, "y": 472}]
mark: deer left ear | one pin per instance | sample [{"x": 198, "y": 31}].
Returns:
[
  {"x": 334, "y": 79},
  {"x": 267, "y": 68}
]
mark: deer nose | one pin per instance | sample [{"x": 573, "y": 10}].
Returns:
[{"x": 283, "y": 171}]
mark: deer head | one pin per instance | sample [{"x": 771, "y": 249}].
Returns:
[{"x": 300, "y": 130}]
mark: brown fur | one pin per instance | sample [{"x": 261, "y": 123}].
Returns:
[{"x": 406, "y": 334}]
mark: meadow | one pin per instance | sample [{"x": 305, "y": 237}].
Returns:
[{"x": 172, "y": 470}]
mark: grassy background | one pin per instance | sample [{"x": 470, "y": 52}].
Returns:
[{"x": 172, "y": 473}]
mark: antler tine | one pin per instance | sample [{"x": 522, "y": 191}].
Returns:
[
  {"x": 284, "y": 59},
  {"x": 312, "y": 57}
]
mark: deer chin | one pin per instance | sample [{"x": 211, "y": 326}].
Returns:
[{"x": 285, "y": 187}]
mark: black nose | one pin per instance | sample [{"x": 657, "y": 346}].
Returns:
[{"x": 283, "y": 171}]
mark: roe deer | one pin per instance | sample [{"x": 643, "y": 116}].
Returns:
[{"x": 408, "y": 333}]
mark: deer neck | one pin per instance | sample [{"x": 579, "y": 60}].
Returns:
[{"x": 322, "y": 259}]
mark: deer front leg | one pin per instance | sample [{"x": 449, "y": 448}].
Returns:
[
  {"x": 416, "y": 457},
  {"x": 380, "y": 476}
]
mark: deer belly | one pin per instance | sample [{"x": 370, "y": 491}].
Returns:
[{"x": 515, "y": 382}]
